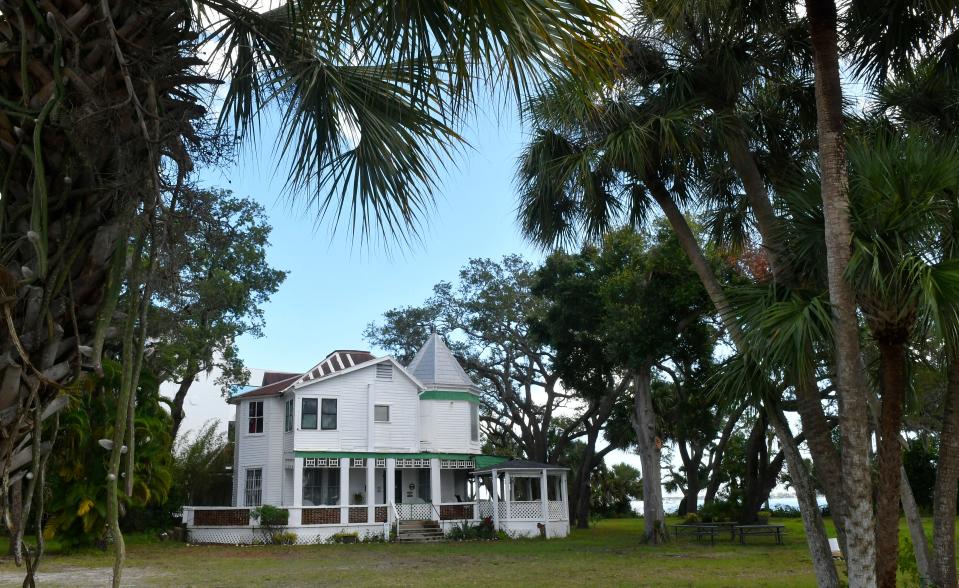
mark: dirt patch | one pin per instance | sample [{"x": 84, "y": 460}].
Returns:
[{"x": 77, "y": 577}]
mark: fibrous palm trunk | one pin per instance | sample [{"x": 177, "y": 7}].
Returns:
[
  {"x": 811, "y": 515},
  {"x": 947, "y": 483},
  {"x": 853, "y": 398},
  {"x": 650, "y": 453},
  {"x": 91, "y": 93},
  {"x": 893, "y": 387}
]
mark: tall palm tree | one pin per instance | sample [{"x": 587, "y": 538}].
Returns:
[
  {"x": 103, "y": 110},
  {"x": 592, "y": 164}
]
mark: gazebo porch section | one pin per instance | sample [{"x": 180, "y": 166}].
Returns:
[{"x": 524, "y": 497}]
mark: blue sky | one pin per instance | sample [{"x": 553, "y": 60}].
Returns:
[{"x": 337, "y": 285}]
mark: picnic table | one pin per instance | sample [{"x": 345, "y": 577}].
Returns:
[
  {"x": 743, "y": 530},
  {"x": 700, "y": 530}
]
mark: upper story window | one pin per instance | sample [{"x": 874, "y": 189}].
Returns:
[
  {"x": 384, "y": 371},
  {"x": 328, "y": 421},
  {"x": 308, "y": 414},
  {"x": 288, "y": 417},
  {"x": 381, "y": 413},
  {"x": 474, "y": 421},
  {"x": 255, "y": 412}
]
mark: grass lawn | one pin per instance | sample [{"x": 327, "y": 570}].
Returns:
[{"x": 609, "y": 554}]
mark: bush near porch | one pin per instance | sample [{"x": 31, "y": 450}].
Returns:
[{"x": 608, "y": 554}]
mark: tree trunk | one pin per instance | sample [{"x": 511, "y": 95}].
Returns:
[
  {"x": 716, "y": 456},
  {"x": 761, "y": 473},
  {"x": 826, "y": 575},
  {"x": 892, "y": 383},
  {"x": 917, "y": 533},
  {"x": 16, "y": 514},
  {"x": 75, "y": 168},
  {"x": 179, "y": 399},
  {"x": 853, "y": 401},
  {"x": 812, "y": 516},
  {"x": 809, "y": 404},
  {"x": 947, "y": 484},
  {"x": 650, "y": 453}
]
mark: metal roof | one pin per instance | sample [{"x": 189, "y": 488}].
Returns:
[{"x": 435, "y": 366}]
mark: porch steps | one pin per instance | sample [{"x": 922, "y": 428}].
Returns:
[{"x": 419, "y": 532}]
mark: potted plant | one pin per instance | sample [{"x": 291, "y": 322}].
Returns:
[{"x": 359, "y": 498}]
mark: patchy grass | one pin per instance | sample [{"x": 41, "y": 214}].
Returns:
[{"x": 609, "y": 554}]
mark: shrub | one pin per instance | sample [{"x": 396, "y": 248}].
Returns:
[
  {"x": 284, "y": 538},
  {"x": 345, "y": 537},
  {"x": 718, "y": 511},
  {"x": 272, "y": 520},
  {"x": 762, "y": 517},
  {"x": 691, "y": 519}
]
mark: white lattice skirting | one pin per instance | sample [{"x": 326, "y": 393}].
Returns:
[{"x": 305, "y": 535}]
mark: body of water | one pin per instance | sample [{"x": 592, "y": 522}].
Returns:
[{"x": 671, "y": 503}]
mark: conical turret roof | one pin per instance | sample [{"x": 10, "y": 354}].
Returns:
[{"x": 436, "y": 367}]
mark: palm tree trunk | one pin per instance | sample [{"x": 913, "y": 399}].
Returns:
[
  {"x": 853, "y": 400},
  {"x": 809, "y": 404},
  {"x": 917, "y": 533},
  {"x": 893, "y": 388},
  {"x": 650, "y": 452},
  {"x": 947, "y": 484},
  {"x": 809, "y": 508},
  {"x": 826, "y": 575}
]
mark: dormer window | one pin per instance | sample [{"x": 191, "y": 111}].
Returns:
[{"x": 384, "y": 371}]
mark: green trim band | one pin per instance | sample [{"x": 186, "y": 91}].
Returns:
[
  {"x": 373, "y": 455},
  {"x": 449, "y": 395}
]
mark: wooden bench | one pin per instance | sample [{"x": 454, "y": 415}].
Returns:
[
  {"x": 743, "y": 530},
  {"x": 699, "y": 530}
]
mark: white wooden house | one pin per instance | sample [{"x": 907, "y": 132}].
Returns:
[{"x": 360, "y": 444}]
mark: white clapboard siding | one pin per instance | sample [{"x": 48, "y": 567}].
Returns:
[
  {"x": 261, "y": 450},
  {"x": 445, "y": 426},
  {"x": 351, "y": 391}
]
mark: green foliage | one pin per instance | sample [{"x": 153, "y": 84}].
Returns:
[
  {"x": 284, "y": 538},
  {"x": 78, "y": 469},
  {"x": 467, "y": 531},
  {"x": 763, "y": 516},
  {"x": 692, "y": 519},
  {"x": 202, "y": 469},
  {"x": 718, "y": 511},
  {"x": 613, "y": 490},
  {"x": 215, "y": 280},
  {"x": 919, "y": 459},
  {"x": 344, "y": 537},
  {"x": 271, "y": 520}
]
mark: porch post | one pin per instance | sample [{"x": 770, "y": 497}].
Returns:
[
  {"x": 344, "y": 490},
  {"x": 297, "y": 481},
  {"x": 508, "y": 494},
  {"x": 370, "y": 490},
  {"x": 389, "y": 493},
  {"x": 543, "y": 497},
  {"x": 494, "y": 482},
  {"x": 565, "y": 496},
  {"x": 436, "y": 491}
]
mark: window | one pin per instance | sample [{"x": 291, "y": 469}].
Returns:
[
  {"x": 288, "y": 420},
  {"x": 381, "y": 413},
  {"x": 255, "y": 412},
  {"x": 308, "y": 414},
  {"x": 474, "y": 421},
  {"x": 384, "y": 371},
  {"x": 328, "y": 422},
  {"x": 321, "y": 486},
  {"x": 254, "y": 487}
]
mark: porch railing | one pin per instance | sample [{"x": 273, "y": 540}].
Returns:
[{"x": 524, "y": 510}]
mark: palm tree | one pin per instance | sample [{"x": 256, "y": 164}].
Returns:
[
  {"x": 103, "y": 115},
  {"x": 594, "y": 164}
]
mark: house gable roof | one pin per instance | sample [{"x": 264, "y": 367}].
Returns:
[{"x": 435, "y": 366}]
